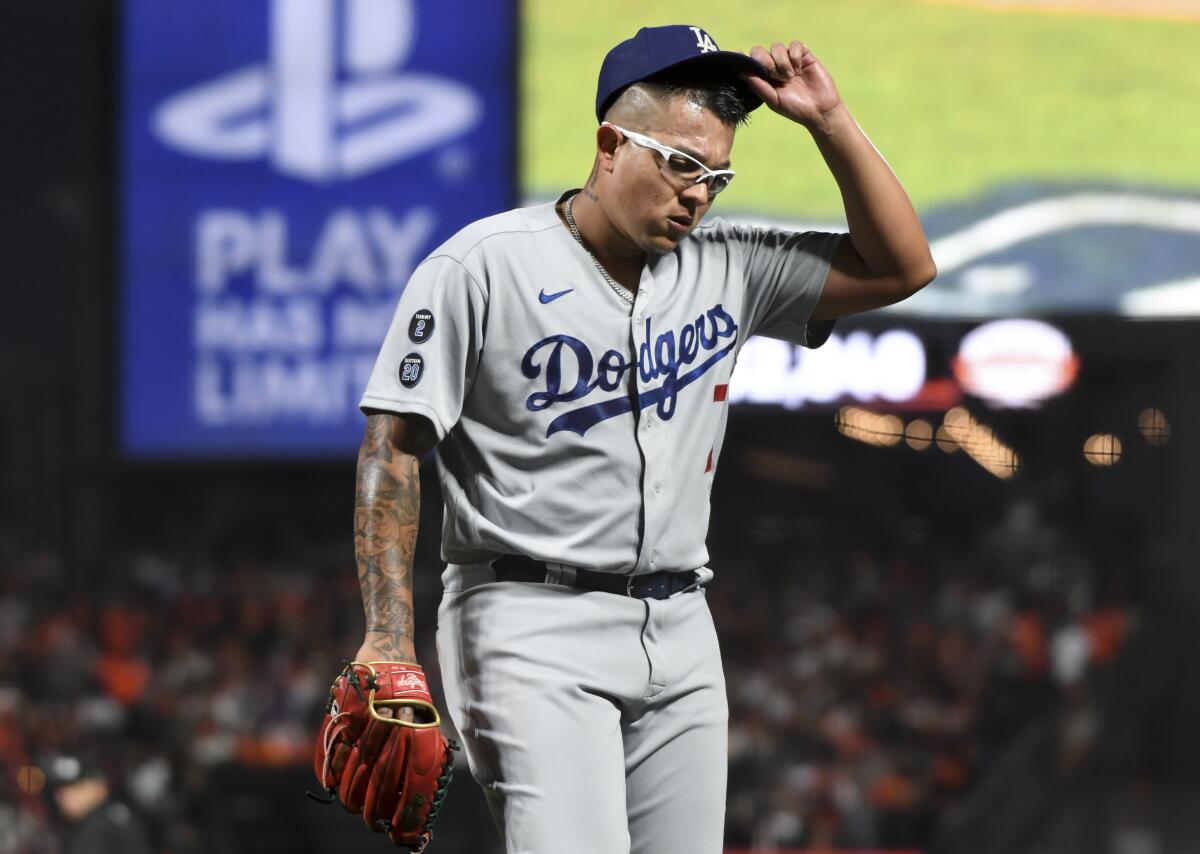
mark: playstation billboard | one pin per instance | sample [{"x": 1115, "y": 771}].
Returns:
[{"x": 284, "y": 167}]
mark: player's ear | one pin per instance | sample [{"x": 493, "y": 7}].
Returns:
[{"x": 607, "y": 140}]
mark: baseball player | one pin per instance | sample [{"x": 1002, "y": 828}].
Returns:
[{"x": 570, "y": 362}]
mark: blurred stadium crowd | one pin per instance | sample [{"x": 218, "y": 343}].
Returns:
[{"x": 869, "y": 690}]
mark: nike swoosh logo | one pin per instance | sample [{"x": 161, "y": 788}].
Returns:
[{"x": 544, "y": 297}]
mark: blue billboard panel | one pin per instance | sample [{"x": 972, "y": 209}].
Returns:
[{"x": 285, "y": 166}]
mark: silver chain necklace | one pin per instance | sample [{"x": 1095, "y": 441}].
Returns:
[{"x": 619, "y": 290}]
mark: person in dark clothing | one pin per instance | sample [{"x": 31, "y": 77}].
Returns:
[{"x": 96, "y": 820}]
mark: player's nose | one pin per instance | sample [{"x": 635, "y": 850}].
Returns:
[{"x": 695, "y": 196}]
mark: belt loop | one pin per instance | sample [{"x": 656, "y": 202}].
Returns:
[
  {"x": 703, "y": 576},
  {"x": 560, "y": 573}
]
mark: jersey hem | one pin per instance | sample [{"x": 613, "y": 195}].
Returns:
[
  {"x": 409, "y": 407},
  {"x": 817, "y": 333}
]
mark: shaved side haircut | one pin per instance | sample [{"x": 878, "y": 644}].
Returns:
[{"x": 713, "y": 89}]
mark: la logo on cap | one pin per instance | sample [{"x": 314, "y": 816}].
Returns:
[{"x": 704, "y": 40}]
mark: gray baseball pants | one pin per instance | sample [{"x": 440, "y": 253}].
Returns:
[{"x": 595, "y": 723}]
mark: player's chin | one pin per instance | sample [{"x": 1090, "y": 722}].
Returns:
[
  {"x": 657, "y": 244},
  {"x": 667, "y": 236}
]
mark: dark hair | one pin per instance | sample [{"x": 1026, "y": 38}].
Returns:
[{"x": 713, "y": 85}]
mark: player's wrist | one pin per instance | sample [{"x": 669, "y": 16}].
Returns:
[
  {"x": 827, "y": 122},
  {"x": 385, "y": 646}
]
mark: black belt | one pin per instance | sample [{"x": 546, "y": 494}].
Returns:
[{"x": 652, "y": 585}]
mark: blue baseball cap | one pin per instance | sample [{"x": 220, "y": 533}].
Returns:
[{"x": 655, "y": 49}]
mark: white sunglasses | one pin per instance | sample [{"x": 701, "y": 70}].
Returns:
[{"x": 681, "y": 167}]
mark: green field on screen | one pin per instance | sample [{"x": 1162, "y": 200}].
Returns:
[{"x": 958, "y": 98}]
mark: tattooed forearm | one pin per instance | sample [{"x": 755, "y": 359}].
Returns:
[
  {"x": 375, "y": 531},
  {"x": 386, "y": 514}
]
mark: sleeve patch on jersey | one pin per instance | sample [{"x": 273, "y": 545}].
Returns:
[
  {"x": 421, "y": 326},
  {"x": 720, "y": 392},
  {"x": 411, "y": 369},
  {"x": 708, "y": 465}
]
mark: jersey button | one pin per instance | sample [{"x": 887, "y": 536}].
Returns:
[{"x": 657, "y": 488}]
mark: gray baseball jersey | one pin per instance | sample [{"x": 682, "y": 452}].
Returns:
[{"x": 573, "y": 427}]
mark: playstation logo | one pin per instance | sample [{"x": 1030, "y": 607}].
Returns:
[{"x": 330, "y": 105}]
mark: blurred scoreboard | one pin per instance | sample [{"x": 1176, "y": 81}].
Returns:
[{"x": 284, "y": 167}]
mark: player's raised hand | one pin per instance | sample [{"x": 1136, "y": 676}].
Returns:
[{"x": 798, "y": 88}]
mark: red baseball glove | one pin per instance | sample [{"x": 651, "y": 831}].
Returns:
[{"x": 395, "y": 772}]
